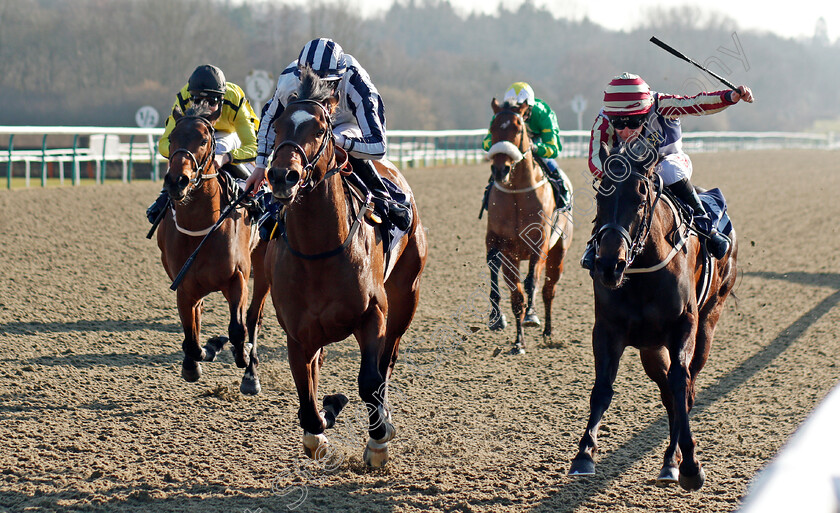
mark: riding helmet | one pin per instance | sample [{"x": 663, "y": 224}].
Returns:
[
  {"x": 519, "y": 93},
  {"x": 325, "y": 57},
  {"x": 627, "y": 95},
  {"x": 207, "y": 80}
]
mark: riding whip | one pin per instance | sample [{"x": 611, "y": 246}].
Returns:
[
  {"x": 158, "y": 219},
  {"x": 222, "y": 217},
  {"x": 682, "y": 56}
]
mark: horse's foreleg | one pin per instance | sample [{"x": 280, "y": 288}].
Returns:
[
  {"x": 190, "y": 312},
  {"x": 497, "y": 318},
  {"x": 306, "y": 366},
  {"x": 517, "y": 303},
  {"x": 373, "y": 387},
  {"x": 656, "y": 363},
  {"x": 607, "y": 347},
  {"x": 250, "y": 381},
  {"x": 681, "y": 352},
  {"x": 530, "y": 284},
  {"x": 237, "y": 297}
]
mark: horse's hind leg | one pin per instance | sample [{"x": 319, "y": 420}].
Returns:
[
  {"x": 553, "y": 272},
  {"x": 250, "y": 381},
  {"x": 190, "y": 312},
  {"x": 656, "y": 363}
]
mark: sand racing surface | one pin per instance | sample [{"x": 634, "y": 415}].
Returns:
[{"x": 94, "y": 415}]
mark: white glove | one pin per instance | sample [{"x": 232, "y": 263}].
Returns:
[
  {"x": 221, "y": 160},
  {"x": 340, "y": 140}
]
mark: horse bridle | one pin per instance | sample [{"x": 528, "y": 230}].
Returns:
[
  {"x": 521, "y": 129},
  {"x": 636, "y": 245},
  {"x": 199, "y": 169},
  {"x": 306, "y": 177}
]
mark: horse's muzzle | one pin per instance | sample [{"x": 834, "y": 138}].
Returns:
[
  {"x": 176, "y": 188},
  {"x": 610, "y": 271},
  {"x": 500, "y": 172},
  {"x": 284, "y": 183}
]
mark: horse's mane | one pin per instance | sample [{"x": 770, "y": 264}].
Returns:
[
  {"x": 312, "y": 87},
  {"x": 199, "y": 110}
]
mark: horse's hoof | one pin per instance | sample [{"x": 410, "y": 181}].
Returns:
[
  {"x": 376, "y": 451},
  {"x": 499, "y": 324},
  {"x": 250, "y": 385},
  {"x": 376, "y": 457},
  {"x": 517, "y": 349},
  {"x": 692, "y": 483},
  {"x": 582, "y": 467},
  {"x": 191, "y": 375},
  {"x": 531, "y": 319},
  {"x": 668, "y": 475},
  {"x": 333, "y": 404},
  {"x": 315, "y": 446},
  {"x": 214, "y": 347}
]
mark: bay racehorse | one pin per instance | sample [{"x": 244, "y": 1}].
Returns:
[
  {"x": 334, "y": 262},
  {"x": 521, "y": 225},
  {"x": 651, "y": 293},
  {"x": 224, "y": 263}
]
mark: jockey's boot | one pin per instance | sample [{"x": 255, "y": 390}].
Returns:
[
  {"x": 717, "y": 243},
  {"x": 587, "y": 261},
  {"x": 156, "y": 208},
  {"x": 553, "y": 171},
  {"x": 398, "y": 213},
  {"x": 237, "y": 170},
  {"x": 268, "y": 217}
]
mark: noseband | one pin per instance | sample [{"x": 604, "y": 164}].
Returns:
[
  {"x": 199, "y": 169},
  {"x": 636, "y": 245},
  {"x": 306, "y": 178}
]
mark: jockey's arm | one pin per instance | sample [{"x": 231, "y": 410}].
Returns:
[
  {"x": 601, "y": 135},
  {"x": 543, "y": 123},
  {"x": 246, "y": 124},
  {"x": 367, "y": 107}
]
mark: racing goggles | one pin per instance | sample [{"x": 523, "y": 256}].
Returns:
[{"x": 631, "y": 122}]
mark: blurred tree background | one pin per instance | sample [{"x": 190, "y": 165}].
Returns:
[{"x": 95, "y": 62}]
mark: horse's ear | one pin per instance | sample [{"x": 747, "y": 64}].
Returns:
[
  {"x": 522, "y": 109},
  {"x": 177, "y": 114},
  {"x": 331, "y": 103},
  {"x": 494, "y": 104}
]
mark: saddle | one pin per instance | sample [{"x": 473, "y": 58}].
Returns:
[
  {"x": 716, "y": 217},
  {"x": 229, "y": 182}
]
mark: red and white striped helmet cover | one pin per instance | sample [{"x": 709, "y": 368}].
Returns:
[{"x": 627, "y": 95}]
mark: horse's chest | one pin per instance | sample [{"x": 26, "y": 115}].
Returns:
[
  {"x": 321, "y": 304},
  {"x": 643, "y": 314}
]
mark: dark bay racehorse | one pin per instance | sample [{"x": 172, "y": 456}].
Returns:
[
  {"x": 333, "y": 260},
  {"x": 647, "y": 278},
  {"x": 520, "y": 225},
  {"x": 224, "y": 262}
]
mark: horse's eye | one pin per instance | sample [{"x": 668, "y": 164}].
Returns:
[{"x": 321, "y": 132}]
